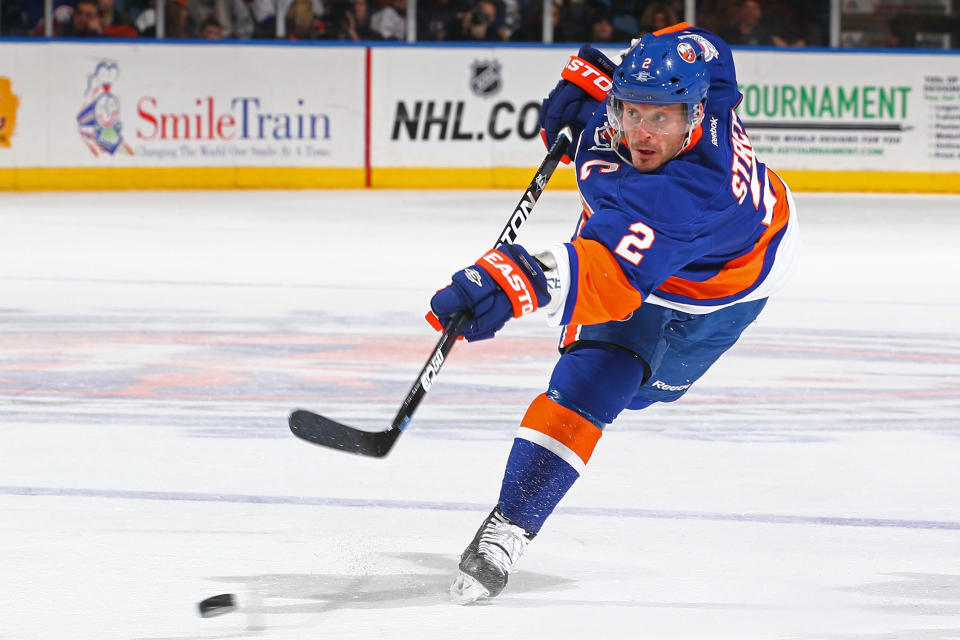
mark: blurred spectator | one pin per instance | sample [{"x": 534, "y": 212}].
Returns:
[
  {"x": 13, "y": 18},
  {"x": 747, "y": 26},
  {"x": 495, "y": 10},
  {"x": 176, "y": 21},
  {"x": 146, "y": 19},
  {"x": 84, "y": 23},
  {"x": 301, "y": 21},
  {"x": 235, "y": 17},
  {"x": 477, "y": 24},
  {"x": 626, "y": 14},
  {"x": 900, "y": 32},
  {"x": 797, "y": 23},
  {"x": 531, "y": 22},
  {"x": 264, "y": 18},
  {"x": 512, "y": 17},
  {"x": 715, "y": 14},
  {"x": 110, "y": 16},
  {"x": 677, "y": 9},
  {"x": 265, "y": 15},
  {"x": 29, "y": 14},
  {"x": 350, "y": 21},
  {"x": 603, "y": 31},
  {"x": 389, "y": 20},
  {"x": 656, "y": 16},
  {"x": 440, "y": 19},
  {"x": 210, "y": 30},
  {"x": 574, "y": 21}
]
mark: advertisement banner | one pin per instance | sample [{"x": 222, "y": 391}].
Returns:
[
  {"x": 852, "y": 111},
  {"x": 460, "y": 106},
  {"x": 110, "y": 114},
  {"x": 119, "y": 105}
]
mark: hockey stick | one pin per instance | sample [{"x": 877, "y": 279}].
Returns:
[{"x": 323, "y": 431}]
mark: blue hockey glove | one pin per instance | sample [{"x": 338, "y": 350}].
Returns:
[
  {"x": 585, "y": 82},
  {"x": 504, "y": 283}
]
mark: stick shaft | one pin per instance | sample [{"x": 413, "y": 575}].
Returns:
[{"x": 508, "y": 235}]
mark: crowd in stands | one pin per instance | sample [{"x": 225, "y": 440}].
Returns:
[{"x": 740, "y": 22}]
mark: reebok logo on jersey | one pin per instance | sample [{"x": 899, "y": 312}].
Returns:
[
  {"x": 714, "y": 138},
  {"x": 658, "y": 384},
  {"x": 473, "y": 276}
]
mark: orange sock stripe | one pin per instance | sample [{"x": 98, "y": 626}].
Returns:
[{"x": 567, "y": 427}]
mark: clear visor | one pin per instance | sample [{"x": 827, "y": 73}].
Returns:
[{"x": 657, "y": 119}]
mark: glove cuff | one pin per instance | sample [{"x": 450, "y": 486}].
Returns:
[
  {"x": 523, "y": 295},
  {"x": 588, "y": 77}
]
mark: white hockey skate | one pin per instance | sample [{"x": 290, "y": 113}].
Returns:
[{"x": 489, "y": 558}]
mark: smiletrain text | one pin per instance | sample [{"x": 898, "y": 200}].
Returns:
[{"x": 245, "y": 120}]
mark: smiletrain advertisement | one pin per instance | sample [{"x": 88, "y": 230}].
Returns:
[{"x": 111, "y": 105}]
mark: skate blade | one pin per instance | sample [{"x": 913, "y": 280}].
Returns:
[{"x": 466, "y": 589}]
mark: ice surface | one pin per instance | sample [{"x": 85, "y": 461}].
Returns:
[{"x": 152, "y": 344}]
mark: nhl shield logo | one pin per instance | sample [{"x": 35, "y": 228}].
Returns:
[{"x": 485, "y": 80}]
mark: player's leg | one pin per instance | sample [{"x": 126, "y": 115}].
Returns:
[
  {"x": 656, "y": 355},
  {"x": 591, "y": 384},
  {"x": 692, "y": 344}
]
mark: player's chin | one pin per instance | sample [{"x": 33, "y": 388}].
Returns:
[{"x": 646, "y": 159}]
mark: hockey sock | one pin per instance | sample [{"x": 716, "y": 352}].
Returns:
[
  {"x": 549, "y": 453},
  {"x": 590, "y": 386}
]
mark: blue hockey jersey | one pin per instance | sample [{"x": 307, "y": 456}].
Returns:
[{"x": 712, "y": 227}]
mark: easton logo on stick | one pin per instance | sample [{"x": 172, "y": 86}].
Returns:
[{"x": 520, "y": 215}]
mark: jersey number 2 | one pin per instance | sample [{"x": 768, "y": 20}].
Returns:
[{"x": 633, "y": 243}]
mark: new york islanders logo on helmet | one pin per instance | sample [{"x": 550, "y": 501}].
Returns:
[{"x": 686, "y": 52}]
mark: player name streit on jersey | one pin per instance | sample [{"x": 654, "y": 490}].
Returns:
[{"x": 705, "y": 230}]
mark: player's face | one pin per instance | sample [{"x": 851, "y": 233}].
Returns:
[{"x": 653, "y": 132}]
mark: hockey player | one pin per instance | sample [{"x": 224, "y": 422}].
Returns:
[{"x": 684, "y": 234}]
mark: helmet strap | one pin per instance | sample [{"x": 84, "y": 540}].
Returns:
[{"x": 693, "y": 127}]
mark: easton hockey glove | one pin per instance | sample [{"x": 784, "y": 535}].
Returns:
[
  {"x": 585, "y": 82},
  {"x": 505, "y": 283}
]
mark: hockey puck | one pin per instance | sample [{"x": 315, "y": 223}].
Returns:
[{"x": 217, "y": 605}]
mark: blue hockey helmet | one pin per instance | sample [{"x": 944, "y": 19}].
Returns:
[{"x": 664, "y": 69}]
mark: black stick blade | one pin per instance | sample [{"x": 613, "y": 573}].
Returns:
[{"x": 325, "y": 432}]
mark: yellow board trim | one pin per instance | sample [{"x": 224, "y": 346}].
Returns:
[
  {"x": 117, "y": 178},
  {"x": 465, "y": 178},
  {"x": 872, "y": 181},
  {"x": 564, "y": 178}
]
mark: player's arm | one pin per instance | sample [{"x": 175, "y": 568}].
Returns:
[
  {"x": 583, "y": 86},
  {"x": 616, "y": 262},
  {"x": 603, "y": 275}
]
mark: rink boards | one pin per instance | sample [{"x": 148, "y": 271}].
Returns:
[{"x": 123, "y": 114}]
